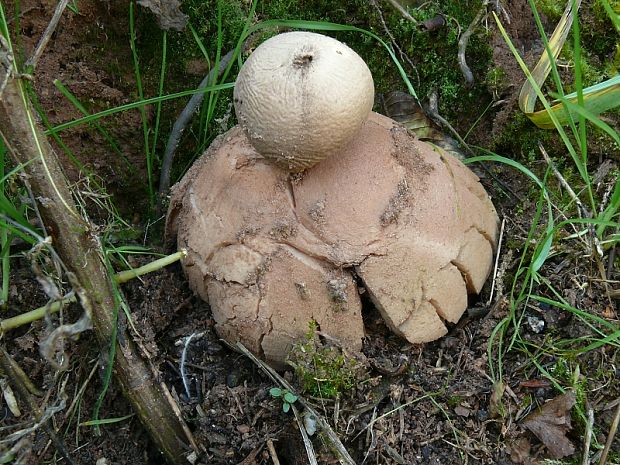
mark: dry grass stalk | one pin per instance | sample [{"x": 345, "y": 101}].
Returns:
[{"x": 79, "y": 248}]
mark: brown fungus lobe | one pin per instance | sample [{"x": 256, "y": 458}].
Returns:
[{"x": 414, "y": 224}]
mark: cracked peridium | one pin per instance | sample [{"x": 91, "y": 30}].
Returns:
[{"x": 271, "y": 254}]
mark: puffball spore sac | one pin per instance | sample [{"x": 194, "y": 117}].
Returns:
[{"x": 301, "y": 97}]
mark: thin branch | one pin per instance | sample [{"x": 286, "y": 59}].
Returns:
[
  {"x": 10, "y": 368},
  {"x": 402, "y": 54},
  {"x": 464, "y": 39},
  {"x": 595, "y": 243},
  {"x": 304, "y": 436},
  {"x": 497, "y": 255},
  {"x": 330, "y": 435},
  {"x": 272, "y": 452},
  {"x": 588, "y": 437},
  {"x": 76, "y": 241},
  {"x": 610, "y": 437},
  {"x": 124, "y": 276},
  {"x": 583, "y": 211},
  {"x": 47, "y": 34},
  {"x": 403, "y": 11},
  {"x": 53, "y": 307}
]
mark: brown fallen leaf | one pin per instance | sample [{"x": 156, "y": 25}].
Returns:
[
  {"x": 168, "y": 13},
  {"x": 496, "y": 407},
  {"x": 551, "y": 422},
  {"x": 519, "y": 451},
  {"x": 535, "y": 383}
]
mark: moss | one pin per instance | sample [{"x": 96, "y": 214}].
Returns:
[
  {"x": 520, "y": 137},
  {"x": 496, "y": 81},
  {"x": 598, "y": 33},
  {"x": 552, "y": 9},
  {"x": 455, "y": 401},
  {"x": 434, "y": 54},
  {"x": 324, "y": 370}
]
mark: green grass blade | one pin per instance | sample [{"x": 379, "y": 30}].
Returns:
[
  {"x": 131, "y": 106},
  {"x": 106, "y": 135},
  {"x": 46, "y": 123},
  {"x": 5, "y": 238},
  {"x": 615, "y": 18},
  {"x": 592, "y": 117},
  {"x": 107, "y": 374},
  {"x": 576, "y": 311},
  {"x": 583, "y": 172},
  {"x": 4, "y": 30},
  {"x": 579, "y": 85},
  {"x": 610, "y": 211},
  {"x": 507, "y": 161},
  {"x": 546, "y": 63},
  {"x": 597, "y": 99},
  {"x": 145, "y": 125},
  {"x": 106, "y": 421},
  {"x": 213, "y": 96},
  {"x": 199, "y": 43},
  {"x": 162, "y": 76},
  {"x": 327, "y": 26}
]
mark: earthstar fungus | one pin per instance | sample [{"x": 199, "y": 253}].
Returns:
[{"x": 270, "y": 250}]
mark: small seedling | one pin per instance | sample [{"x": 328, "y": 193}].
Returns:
[
  {"x": 287, "y": 397},
  {"x": 324, "y": 370}
]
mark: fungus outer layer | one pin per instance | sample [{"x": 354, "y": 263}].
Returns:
[
  {"x": 271, "y": 253},
  {"x": 302, "y": 96}
]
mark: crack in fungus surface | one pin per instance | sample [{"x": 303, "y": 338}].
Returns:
[{"x": 289, "y": 257}]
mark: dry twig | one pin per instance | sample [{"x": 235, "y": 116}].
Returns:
[
  {"x": 464, "y": 39},
  {"x": 595, "y": 243},
  {"x": 401, "y": 53},
  {"x": 588, "y": 437},
  {"x": 304, "y": 437},
  {"x": 12, "y": 370},
  {"x": 403, "y": 11},
  {"x": 330, "y": 435},
  {"x": 77, "y": 244},
  {"x": 610, "y": 437},
  {"x": 272, "y": 452},
  {"x": 497, "y": 255},
  {"x": 47, "y": 34}
]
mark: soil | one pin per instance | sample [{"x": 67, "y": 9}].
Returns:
[{"x": 428, "y": 404}]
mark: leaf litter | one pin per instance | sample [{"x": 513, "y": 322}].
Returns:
[{"x": 551, "y": 422}]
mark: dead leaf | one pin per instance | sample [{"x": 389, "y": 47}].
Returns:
[
  {"x": 535, "y": 383},
  {"x": 609, "y": 313},
  {"x": 26, "y": 342},
  {"x": 9, "y": 397},
  {"x": 519, "y": 451},
  {"x": 496, "y": 407},
  {"x": 550, "y": 424},
  {"x": 168, "y": 13},
  {"x": 462, "y": 411}
]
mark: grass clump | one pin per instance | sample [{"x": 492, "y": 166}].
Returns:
[{"x": 324, "y": 370}]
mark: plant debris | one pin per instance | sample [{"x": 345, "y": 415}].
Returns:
[
  {"x": 168, "y": 13},
  {"x": 550, "y": 424}
]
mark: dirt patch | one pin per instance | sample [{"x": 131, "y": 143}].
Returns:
[
  {"x": 526, "y": 39},
  {"x": 88, "y": 56}
]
